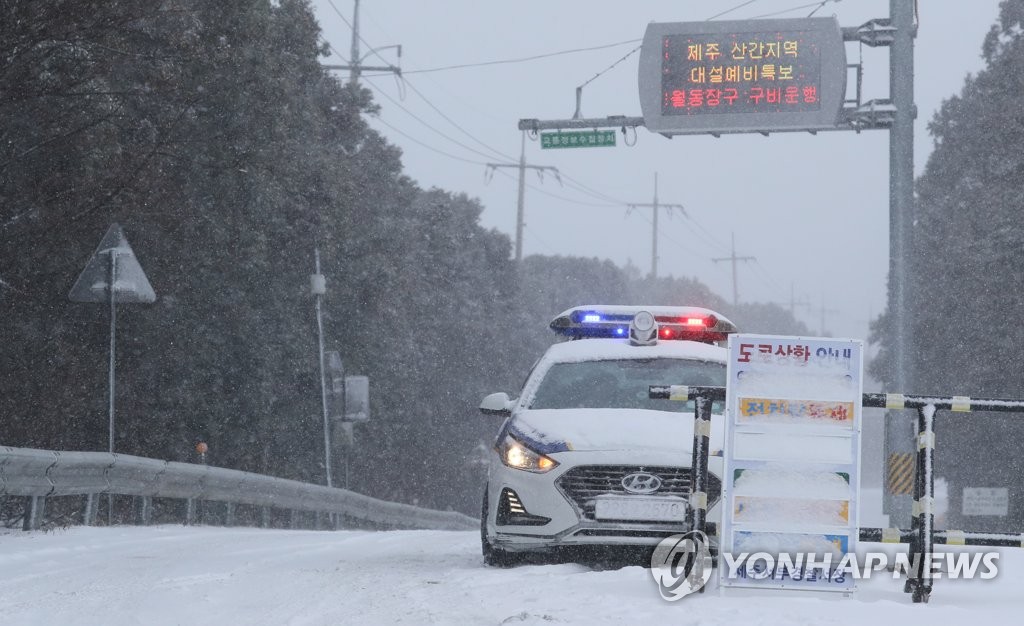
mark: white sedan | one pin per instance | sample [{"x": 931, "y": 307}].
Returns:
[{"x": 586, "y": 458}]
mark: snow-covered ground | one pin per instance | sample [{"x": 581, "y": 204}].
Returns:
[{"x": 225, "y": 576}]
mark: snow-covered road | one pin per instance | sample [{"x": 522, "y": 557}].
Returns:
[{"x": 225, "y": 576}]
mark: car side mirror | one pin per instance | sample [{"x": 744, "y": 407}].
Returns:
[{"x": 496, "y": 404}]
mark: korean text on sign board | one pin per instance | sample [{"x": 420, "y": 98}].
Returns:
[
  {"x": 577, "y": 139},
  {"x": 740, "y": 73}
]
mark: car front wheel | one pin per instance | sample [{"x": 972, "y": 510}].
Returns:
[{"x": 494, "y": 557}]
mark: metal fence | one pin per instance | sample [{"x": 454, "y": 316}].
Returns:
[{"x": 40, "y": 475}]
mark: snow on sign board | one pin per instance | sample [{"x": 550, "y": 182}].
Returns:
[
  {"x": 130, "y": 282},
  {"x": 986, "y": 501},
  {"x": 792, "y": 460}
]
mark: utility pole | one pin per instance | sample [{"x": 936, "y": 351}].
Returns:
[
  {"x": 356, "y": 67},
  {"x": 522, "y": 166},
  {"x": 734, "y": 260},
  {"x": 824, "y": 311},
  {"x": 793, "y": 302},
  {"x": 654, "y": 223}
]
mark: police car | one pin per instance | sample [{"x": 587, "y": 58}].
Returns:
[{"x": 585, "y": 459}]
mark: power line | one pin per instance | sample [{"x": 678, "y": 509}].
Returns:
[
  {"x": 823, "y": 3},
  {"x": 707, "y": 233},
  {"x": 817, "y": 6},
  {"x": 356, "y": 67},
  {"x": 534, "y": 234},
  {"x": 664, "y": 234},
  {"x": 655, "y": 210},
  {"x": 334, "y": 50},
  {"x": 456, "y": 124},
  {"x": 520, "y": 59},
  {"x": 596, "y": 76},
  {"x": 735, "y": 8},
  {"x": 764, "y": 272},
  {"x": 355, "y": 32},
  {"x": 732, "y": 258},
  {"x": 555, "y": 195},
  {"x": 590, "y": 191},
  {"x": 428, "y": 147},
  {"x": 427, "y": 124}
]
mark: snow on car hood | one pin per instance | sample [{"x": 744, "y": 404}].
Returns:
[{"x": 558, "y": 430}]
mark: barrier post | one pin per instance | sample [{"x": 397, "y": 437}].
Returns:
[
  {"x": 699, "y": 463},
  {"x": 916, "y": 563},
  {"x": 925, "y": 486}
]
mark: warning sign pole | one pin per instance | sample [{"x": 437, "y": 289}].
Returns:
[
  {"x": 113, "y": 344},
  {"x": 112, "y": 275}
]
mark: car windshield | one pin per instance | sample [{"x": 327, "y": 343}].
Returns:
[{"x": 623, "y": 383}]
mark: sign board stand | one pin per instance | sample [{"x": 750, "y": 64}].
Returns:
[{"x": 792, "y": 462}]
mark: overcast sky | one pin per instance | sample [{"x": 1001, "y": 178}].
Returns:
[{"x": 812, "y": 209}]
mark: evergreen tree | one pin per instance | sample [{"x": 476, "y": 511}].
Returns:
[{"x": 967, "y": 275}]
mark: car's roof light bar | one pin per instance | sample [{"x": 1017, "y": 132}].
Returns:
[{"x": 613, "y": 321}]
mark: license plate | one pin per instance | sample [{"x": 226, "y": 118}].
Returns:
[{"x": 640, "y": 509}]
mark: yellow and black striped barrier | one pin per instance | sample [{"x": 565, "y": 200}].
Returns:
[{"x": 899, "y": 480}]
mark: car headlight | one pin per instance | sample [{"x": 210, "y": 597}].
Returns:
[{"x": 515, "y": 455}]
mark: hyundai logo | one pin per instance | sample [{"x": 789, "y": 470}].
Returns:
[{"x": 641, "y": 483}]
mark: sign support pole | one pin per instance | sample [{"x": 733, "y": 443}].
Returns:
[
  {"x": 111, "y": 289},
  {"x": 98, "y": 283},
  {"x": 113, "y": 347},
  {"x": 899, "y": 433}
]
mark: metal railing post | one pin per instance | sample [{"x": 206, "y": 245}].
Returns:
[
  {"x": 144, "y": 505},
  {"x": 265, "y": 516},
  {"x": 91, "y": 506},
  {"x": 35, "y": 507}
]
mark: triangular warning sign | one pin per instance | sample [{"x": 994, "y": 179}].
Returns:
[{"x": 130, "y": 282}]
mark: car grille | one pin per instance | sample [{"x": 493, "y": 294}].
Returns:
[{"x": 584, "y": 483}]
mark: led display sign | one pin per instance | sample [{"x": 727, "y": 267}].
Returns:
[{"x": 742, "y": 76}]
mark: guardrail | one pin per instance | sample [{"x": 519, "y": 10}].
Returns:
[
  {"x": 922, "y": 535},
  {"x": 41, "y": 474}
]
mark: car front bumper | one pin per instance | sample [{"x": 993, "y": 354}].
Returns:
[{"x": 572, "y": 522}]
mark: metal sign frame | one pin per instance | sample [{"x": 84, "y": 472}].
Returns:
[{"x": 805, "y": 391}]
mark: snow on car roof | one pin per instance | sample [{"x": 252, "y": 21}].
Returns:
[{"x": 606, "y": 349}]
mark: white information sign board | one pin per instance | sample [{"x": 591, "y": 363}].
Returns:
[
  {"x": 986, "y": 501},
  {"x": 792, "y": 461}
]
